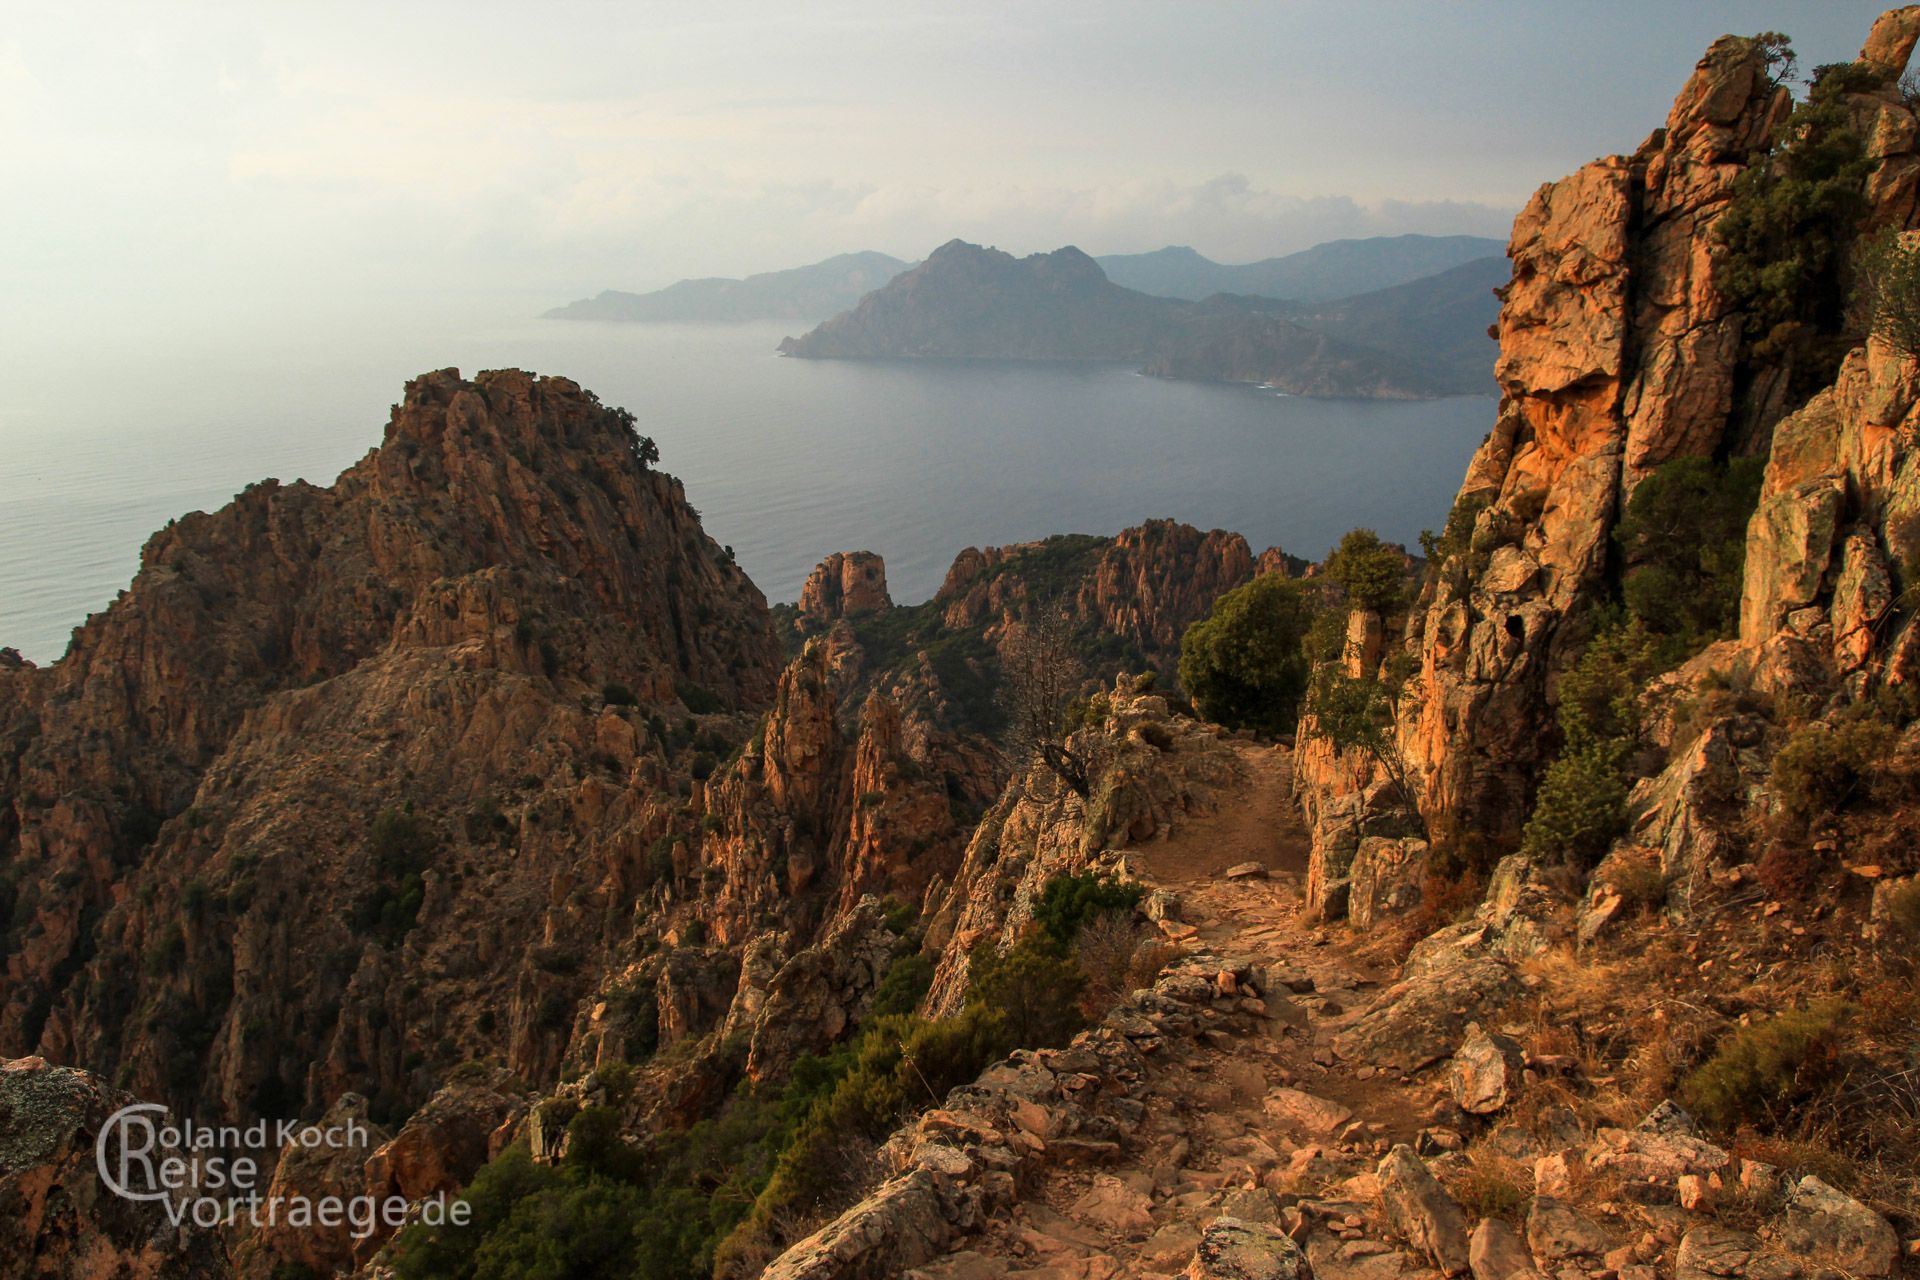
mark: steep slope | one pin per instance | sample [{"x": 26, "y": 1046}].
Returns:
[
  {"x": 810, "y": 293},
  {"x": 1336, "y": 269}
]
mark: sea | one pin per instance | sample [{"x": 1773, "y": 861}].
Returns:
[{"x": 108, "y": 430}]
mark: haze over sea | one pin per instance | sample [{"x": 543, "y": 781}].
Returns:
[{"x": 787, "y": 460}]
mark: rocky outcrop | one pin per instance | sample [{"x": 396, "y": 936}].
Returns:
[
  {"x": 819, "y": 994},
  {"x": 1040, "y": 829},
  {"x": 844, "y": 584},
  {"x": 1145, "y": 585},
  {"x": 1838, "y": 506},
  {"x": 1154, "y": 580},
  {"x": 58, "y": 1219},
  {"x": 332, "y": 1168},
  {"x": 1620, "y": 352},
  {"x": 1616, "y": 353}
]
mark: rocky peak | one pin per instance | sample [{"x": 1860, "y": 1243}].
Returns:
[
  {"x": 845, "y": 583},
  {"x": 349, "y": 698},
  {"x": 1890, "y": 43}
]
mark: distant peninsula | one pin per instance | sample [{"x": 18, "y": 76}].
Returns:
[
  {"x": 1423, "y": 338},
  {"x": 802, "y": 294}
]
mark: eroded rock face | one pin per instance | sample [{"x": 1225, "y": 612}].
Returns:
[
  {"x": 57, "y": 1218},
  {"x": 1617, "y": 354},
  {"x": 334, "y": 1169},
  {"x": 1040, "y": 829},
  {"x": 1837, "y": 507},
  {"x": 1153, "y": 580}
]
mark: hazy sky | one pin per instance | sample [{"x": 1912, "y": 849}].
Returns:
[{"x": 188, "y": 154}]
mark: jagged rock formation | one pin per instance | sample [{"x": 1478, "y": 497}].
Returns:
[
  {"x": 1619, "y": 352},
  {"x": 214, "y": 901}
]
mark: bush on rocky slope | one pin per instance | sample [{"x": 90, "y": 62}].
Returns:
[
  {"x": 1683, "y": 537},
  {"x": 1244, "y": 664},
  {"x": 1787, "y": 232}
]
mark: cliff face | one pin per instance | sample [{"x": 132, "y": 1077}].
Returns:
[
  {"x": 1618, "y": 352},
  {"x": 321, "y": 718}
]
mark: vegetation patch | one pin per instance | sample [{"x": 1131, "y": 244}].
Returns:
[
  {"x": 1245, "y": 664},
  {"x": 1759, "y": 1074}
]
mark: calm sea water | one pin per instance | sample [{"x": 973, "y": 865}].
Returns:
[{"x": 787, "y": 460}]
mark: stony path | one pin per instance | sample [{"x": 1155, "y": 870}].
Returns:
[{"x": 1232, "y": 1119}]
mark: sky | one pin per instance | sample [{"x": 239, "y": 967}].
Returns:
[{"x": 195, "y": 156}]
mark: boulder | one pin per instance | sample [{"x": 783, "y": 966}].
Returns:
[
  {"x": 1234, "y": 1250},
  {"x": 1385, "y": 879},
  {"x": 1830, "y": 1226},
  {"x": 1485, "y": 1072},
  {"x": 1419, "y": 1020},
  {"x": 1719, "y": 1253},
  {"x": 1317, "y": 1117},
  {"x": 1557, "y": 1230},
  {"x": 58, "y": 1220},
  {"x": 1496, "y": 1252},
  {"x": 1419, "y": 1211}
]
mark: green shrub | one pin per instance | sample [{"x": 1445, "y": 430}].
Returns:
[
  {"x": 1787, "y": 231},
  {"x": 1456, "y": 536},
  {"x": 1581, "y": 807},
  {"x": 700, "y": 701},
  {"x": 1067, "y": 902},
  {"x": 1031, "y": 987},
  {"x": 1760, "y": 1073},
  {"x": 1244, "y": 664},
  {"x": 1823, "y": 766},
  {"x": 1683, "y": 537},
  {"x": 904, "y": 985},
  {"x": 1372, "y": 574},
  {"x": 1599, "y": 695},
  {"x": 618, "y": 695},
  {"x": 401, "y": 845}
]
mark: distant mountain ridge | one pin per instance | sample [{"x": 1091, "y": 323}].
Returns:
[
  {"x": 1415, "y": 340},
  {"x": 1336, "y": 269},
  {"x": 808, "y": 293}
]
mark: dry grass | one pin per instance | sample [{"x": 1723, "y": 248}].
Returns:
[{"x": 1493, "y": 1186}]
